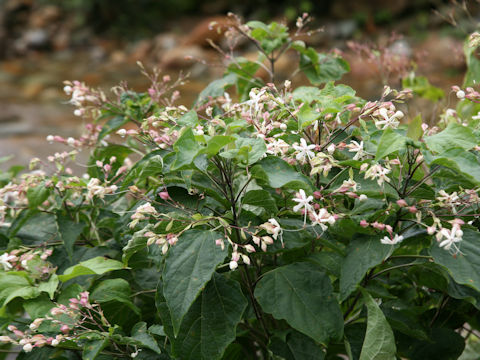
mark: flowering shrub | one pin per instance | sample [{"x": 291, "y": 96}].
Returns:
[{"x": 289, "y": 223}]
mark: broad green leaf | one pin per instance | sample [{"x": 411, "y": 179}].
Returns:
[
  {"x": 422, "y": 87},
  {"x": 69, "y": 231},
  {"x": 464, "y": 267},
  {"x": 27, "y": 292},
  {"x": 296, "y": 346},
  {"x": 473, "y": 65},
  {"x": 216, "y": 143},
  {"x": 137, "y": 243},
  {"x": 379, "y": 343},
  {"x": 151, "y": 164},
  {"x": 464, "y": 162},
  {"x": 321, "y": 68},
  {"x": 216, "y": 88},
  {"x": 49, "y": 286},
  {"x": 37, "y": 195},
  {"x": 306, "y": 116},
  {"x": 186, "y": 148},
  {"x": 113, "y": 124},
  {"x": 444, "y": 344},
  {"x": 414, "y": 130},
  {"x": 188, "y": 267},
  {"x": 188, "y": 119},
  {"x": 140, "y": 333},
  {"x": 38, "y": 307},
  {"x": 93, "y": 348},
  {"x": 210, "y": 324},
  {"x": 362, "y": 255},
  {"x": 302, "y": 295},
  {"x": 279, "y": 174},
  {"x": 390, "y": 142},
  {"x": 96, "y": 266},
  {"x": 114, "y": 290},
  {"x": 307, "y": 94},
  {"x": 261, "y": 198},
  {"x": 454, "y": 136}
]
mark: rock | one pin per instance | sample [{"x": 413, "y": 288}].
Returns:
[
  {"x": 141, "y": 50},
  {"x": 181, "y": 57},
  {"x": 37, "y": 39},
  {"x": 209, "y": 28}
]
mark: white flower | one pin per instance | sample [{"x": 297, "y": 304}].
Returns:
[
  {"x": 363, "y": 197},
  {"x": 388, "y": 121},
  {"x": 304, "y": 151},
  {"x": 303, "y": 201},
  {"x": 277, "y": 147},
  {"x": 392, "y": 241},
  {"x": 358, "y": 149},
  {"x": 460, "y": 94},
  {"x": 448, "y": 238},
  {"x": 322, "y": 218},
  {"x": 5, "y": 261},
  {"x": 377, "y": 172}
]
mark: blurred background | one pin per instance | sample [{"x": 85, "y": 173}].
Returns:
[{"x": 43, "y": 42}]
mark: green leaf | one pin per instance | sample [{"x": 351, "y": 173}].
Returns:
[
  {"x": 137, "y": 243},
  {"x": 93, "y": 348},
  {"x": 216, "y": 143},
  {"x": 49, "y": 286},
  {"x": 379, "y": 343},
  {"x": 302, "y": 295},
  {"x": 444, "y": 344},
  {"x": 362, "y": 255},
  {"x": 296, "y": 346},
  {"x": 188, "y": 267},
  {"x": 307, "y": 94},
  {"x": 114, "y": 290},
  {"x": 216, "y": 88},
  {"x": 454, "y": 136},
  {"x": 390, "y": 142},
  {"x": 186, "y": 148},
  {"x": 306, "y": 116},
  {"x": 140, "y": 333},
  {"x": 38, "y": 307},
  {"x": 69, "y": 231},
  {"x": 27, "y": 292},
  {"x": 464, "y": 267},
  {"x": 150, "y": 165},
  {"x": 415, "y": 131},
  {"x": 321, "y": 68},
  {"x": 464, "y": 162},
  {"x": 279, "y": 174},
  {"x": 209, "y": 326},
  {"x": 96, "y": 266},
  {"x": 188, "y": 119},
  {"x": 422, "y": 87},
  {"x": 37, "y": 195},
  {"x": 473, "y": 65},
  {"x": 261, "y": 198},
  {"x": 113, "y": 124}
]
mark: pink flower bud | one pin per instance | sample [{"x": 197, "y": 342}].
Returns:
[
  {"x": 402, "y": 203},
  {"x": 317, "y": 194},
  {"x": 250, "y": 248},
  {"x": 412, "y": 209},
  {"x": 64, "y": 329},
  {"x": 364, "y": 223},
  {"x": 164, "y": 195}
]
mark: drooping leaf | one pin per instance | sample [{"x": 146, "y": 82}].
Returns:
[
  {"x": 69, "y": 231},
  {"x": 390, "y": 142},
  {"x": 279, "y": 174},
  {"x": 114, "y": 290},
  {"x": 261, "y": 198},
  {"x": 37, "y": 195},
  {"x": 454, "y": 136},
  {"x": 379, "y": 343},
  {"x": 462, "y": 161},
  {"x": 464, "y": 267},
  {"x": 210, "y": 324},
  {"x": 362, "y": 255},
  {"x": 96, "y": 266},
  {"x": 186, "y": 148},
  {"x": 296, "y": 346},
  {"x": 302, "y": 294},
  {"x": 93, "y": 347},
  {"x": 414, "y": 130},
  {"x": 188, "y": 267},
  {"x": 141, "y": 334}
]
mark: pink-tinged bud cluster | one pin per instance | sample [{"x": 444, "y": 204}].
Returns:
[{"x": 165, "y": 241}]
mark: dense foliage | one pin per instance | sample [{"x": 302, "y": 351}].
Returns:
[{"x": 289, "y": 223}]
